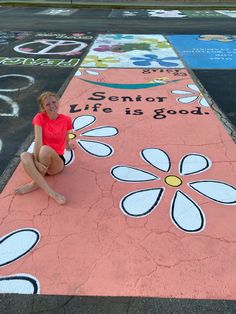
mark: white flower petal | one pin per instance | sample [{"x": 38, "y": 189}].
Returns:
[
  {"x": 217, "y": 191},
  {"x": 203, "y": 102},
  {"x": 69, "y": 156},
  {"x": 130, "y": 174},
  {"x": 180, "y": 92},
  {"x": 194, "y": 163},
  {"x": 194, "y": 87},
  {"x": 141, "y": 203},
  {"x": 82, "y": 122},
  {"x": 186, "y": 214},
  {"x": 104, "y": 131},
  {"x": 187, "y": 100},
  {"x": 78, "y": 73},
  {"x": 97, "y": 149},
  {"x": 31, "y": 148},
  {"x": 157, "y": 158},
  {"x": 20, "y": 283},
  {"x": 92, "y": 72},
  {"x": 16, "y": 244},
  {"x": 97, "y": 69}
]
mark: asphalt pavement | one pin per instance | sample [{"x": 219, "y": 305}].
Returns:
[{"x": 150, "y": 4}]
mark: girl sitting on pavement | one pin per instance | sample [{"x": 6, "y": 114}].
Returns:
[{"x": 51, "y": 131}]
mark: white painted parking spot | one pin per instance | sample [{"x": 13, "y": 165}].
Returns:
[{"x": 64, "y": 12}]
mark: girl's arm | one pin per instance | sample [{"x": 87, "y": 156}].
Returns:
[
  {"x": 38, "y": 141},
  {"x": 37, "y": 145}
]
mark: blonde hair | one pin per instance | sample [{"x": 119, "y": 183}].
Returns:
[{"x": 42, "y": 98}]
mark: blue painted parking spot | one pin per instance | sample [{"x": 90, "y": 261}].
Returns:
[{"x": 206, "y": 51}]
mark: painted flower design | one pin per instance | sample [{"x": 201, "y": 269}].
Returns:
[
  {"x": 119, "y": 36},
  {"x": 103, "y": 48},
  {"x": 85, "y": 139},
  {"x": 185, "y": 213},
  {"x": 14, "y": 246},
  {"x": 189, "y": 96},
  {"x": 98, "y": 61},
  {"x": 92, "y": 147},
  {"x": 149, "y": 59},
  {"x": 159, "y": 44}
]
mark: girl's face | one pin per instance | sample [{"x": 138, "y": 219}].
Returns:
[{"x": 50, "y": 105}]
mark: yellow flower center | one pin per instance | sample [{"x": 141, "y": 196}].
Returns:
[
  {"x": 173, "y": 181},
  {"x": 72, "y": 136}
]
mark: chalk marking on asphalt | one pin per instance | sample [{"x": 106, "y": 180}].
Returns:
[
  {"x": 29, "y": 78},
  {"x": 14, "y": 106}
]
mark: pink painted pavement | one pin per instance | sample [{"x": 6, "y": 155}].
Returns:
[{"x": 91, "y": 246}]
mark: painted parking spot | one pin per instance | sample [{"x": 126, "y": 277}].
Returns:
[
  {"x": 142, "y": 13},
  {"x": 231, "y": 13},
  {"x": 46, "y": 49},
  {"x": 151, "y": 205},
  {"x": 220, "y": 91},
  {"x": 203, "y": 14},
  {"x": 131, "y": 51},
  {"x": 7, "y": 37},
  {"x": 19, "y": 89},
  {"x": 55, "y": 54},
  {"x": 206, "y": 51},
  {"x": 148, "y": 13},
  {"x": 57, "y": 11}
]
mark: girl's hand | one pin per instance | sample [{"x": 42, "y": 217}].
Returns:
[
  {"x": 41, "y": 168},
  {"x": 70, "y": 146}
]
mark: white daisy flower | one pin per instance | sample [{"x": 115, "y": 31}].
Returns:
[
  {"x": 190, "y": 96},
  {"x": 14, "y": 246},
  {"x": 185, "y": 213},
  {"x": 86, "y": 139}
]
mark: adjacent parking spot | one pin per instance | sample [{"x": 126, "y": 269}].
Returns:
[
  {"x": 46, "y": 49},
  {"x": 206, "y": 51},
  {"x": 54, "y": 11},
  {"x": 19, "y": 89},
  {"x": 221, "y": 86}
]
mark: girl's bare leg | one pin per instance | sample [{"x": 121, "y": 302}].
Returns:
[
  {"x": 31, "y": 186},
  {"x": 51, "y": 162},
  {"x": 27, "y": 188}
]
